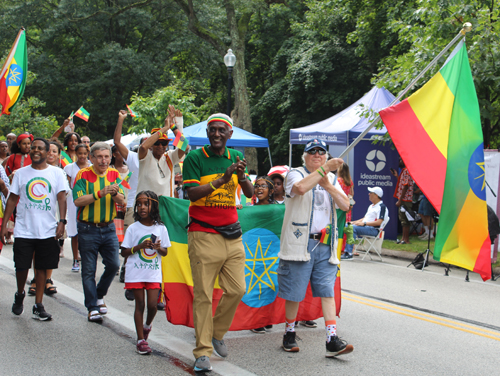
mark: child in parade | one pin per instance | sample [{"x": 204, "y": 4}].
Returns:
[
  {"x": 145, "y": 242},
  {"x": 82, "y": 155}
]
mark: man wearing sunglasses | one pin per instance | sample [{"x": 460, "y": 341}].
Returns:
[
  {"x": 312, "y": 196},
  {"x": 156, "y": 164}
]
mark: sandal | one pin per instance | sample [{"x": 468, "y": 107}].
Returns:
[
  {"x": 32, "y": 288},
  {"x": 51, "y": 290}
]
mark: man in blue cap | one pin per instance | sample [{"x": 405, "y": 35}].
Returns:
[{"x": 312, "y": 196}]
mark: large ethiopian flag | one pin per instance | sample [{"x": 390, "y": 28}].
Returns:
[
  {"x": 13, "y": 74},
  {"x": 260, "y": 305},
  {"x": 437, "y": 132}
]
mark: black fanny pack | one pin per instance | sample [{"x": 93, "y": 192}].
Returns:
[{"x": 232, "y": 231}]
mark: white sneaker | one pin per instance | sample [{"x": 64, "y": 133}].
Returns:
[{"x": 424, "y": 236}]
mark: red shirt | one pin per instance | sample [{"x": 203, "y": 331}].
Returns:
[{"x": 404, "y": 179}]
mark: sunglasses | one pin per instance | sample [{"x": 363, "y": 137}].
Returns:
[
  {"x": 314, "y": 151},
  {"x": 163, "y": 143}
]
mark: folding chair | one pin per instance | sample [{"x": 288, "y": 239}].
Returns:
[{"x": 373, "y": 243}]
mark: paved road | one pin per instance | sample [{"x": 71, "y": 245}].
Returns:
[{"x": 401, "y": 322}]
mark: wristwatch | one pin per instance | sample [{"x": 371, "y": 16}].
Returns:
[
  {"x": 64, "y": 222},
  {"x": 364, "y": 224}
]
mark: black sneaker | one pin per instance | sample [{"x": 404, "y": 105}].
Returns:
[
  {"x": 129, "y": 295},
  {"x": 289, "y": 343},
  {"x": 40, "y": 314},
  {"x": 18, "y": 307},
  {"x": 337, "y": 346},
  {"x": 309, "y": 324}
]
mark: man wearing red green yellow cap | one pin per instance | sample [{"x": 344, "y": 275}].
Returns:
[
  {"x": 156, "y": 167},
  {"x": 211, "y": 175}
]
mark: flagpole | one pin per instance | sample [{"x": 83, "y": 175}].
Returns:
[
  {"x": 465, "y": 29},
  {"x": 9, "y": 57}
]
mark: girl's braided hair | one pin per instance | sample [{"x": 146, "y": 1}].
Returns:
[{"x": 154, "y": 206}]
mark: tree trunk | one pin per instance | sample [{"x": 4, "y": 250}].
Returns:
[
  {"x": 241, "y": 110},
  {"x": 237, "y": 32}
]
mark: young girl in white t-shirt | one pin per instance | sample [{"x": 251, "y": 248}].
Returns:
[{"x": 146, "y": 240}]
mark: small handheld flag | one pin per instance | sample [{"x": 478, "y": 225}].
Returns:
[
  {"x": 125, "y": 180},
  {"x": 65, "y": 159},
  {"x": 326, "y": 235},
  {"x": 71, "y": 116},
  {"x": 132, "y": 113},
  {"x": 180, "y": 141},
  {"x": 82, "y": 114}
]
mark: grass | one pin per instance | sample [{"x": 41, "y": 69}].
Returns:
[{"x": 416, "y": 246}]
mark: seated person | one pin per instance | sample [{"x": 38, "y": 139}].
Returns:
[{"x": 370, "y": 223}]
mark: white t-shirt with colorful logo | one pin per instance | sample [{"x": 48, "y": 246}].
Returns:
[
  {"x": 144, "y": 265},
  {"x": 37, "y": 207}
]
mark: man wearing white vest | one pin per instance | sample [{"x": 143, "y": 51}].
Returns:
[{"x": 312, "y": 195}]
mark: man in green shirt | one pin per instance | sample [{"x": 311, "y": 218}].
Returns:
[{"x": 211, "y": 175}]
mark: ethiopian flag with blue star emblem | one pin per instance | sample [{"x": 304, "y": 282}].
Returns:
[
  {"x": 443, "y": 120},
  {"x": 260, "y": 306},
  {"x": 13, "y": 74}
]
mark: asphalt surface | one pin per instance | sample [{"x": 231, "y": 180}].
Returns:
[{"x": 401, "y": 321}]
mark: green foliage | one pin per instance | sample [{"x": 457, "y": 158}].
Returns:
[
  {"x": 152, "y": 110},
  {"x": 26, "y": 117}
]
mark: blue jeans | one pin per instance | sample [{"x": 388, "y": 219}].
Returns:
[
  {"x": 360, "y": 230},
  {"x": 91, "y": 242}
]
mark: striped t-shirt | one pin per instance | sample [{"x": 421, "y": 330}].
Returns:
[
  {"x": 87, "y": 182},
  {"x": 201, "y": 167}
]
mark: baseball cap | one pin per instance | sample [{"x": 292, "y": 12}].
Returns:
[
  {"x": 316, "y": 144},
  {"x": 377, "y": 190}
]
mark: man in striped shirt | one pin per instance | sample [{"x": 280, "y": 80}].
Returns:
[{"x": 97, "y": 189}]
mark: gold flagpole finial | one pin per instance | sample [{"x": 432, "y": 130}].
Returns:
[{"x": 466, "y": 28}]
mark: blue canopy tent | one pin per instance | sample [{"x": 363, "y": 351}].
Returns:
[
  {"x": 196, "y": 135},
  {"x": 369, "y": 164}
]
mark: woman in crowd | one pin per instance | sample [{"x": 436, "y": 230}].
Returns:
[
  {"x": 264, "y": 191},
  {"x": 19, "y": 157},
  {"x": 82, "y": 154},
  {"x": 118, "y": 163},
  {"x": 278, "y": 174},
  {"x": 4, "y": 151}
]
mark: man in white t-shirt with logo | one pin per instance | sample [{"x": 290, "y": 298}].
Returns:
[
  {"x": 40, "y": 189},
  {"x": 370, "y": 223}
]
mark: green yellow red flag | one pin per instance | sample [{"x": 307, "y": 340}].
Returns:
[
  {"x": 440, "y": 126},
  {"x": 14, "y": 73},
  {"x": 82, "y": 114},
  {"x": 260, "y": 306}
]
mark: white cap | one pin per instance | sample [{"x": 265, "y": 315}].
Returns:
[{"x": 377, "y": 190}]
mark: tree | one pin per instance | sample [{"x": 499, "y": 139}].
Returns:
[{"x": 237, "y": 19}]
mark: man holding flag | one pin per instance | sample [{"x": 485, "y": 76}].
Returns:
[{"x": 312, "y": 194}]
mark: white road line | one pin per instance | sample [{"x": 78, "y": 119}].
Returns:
[{"x": 159, "y": 336}]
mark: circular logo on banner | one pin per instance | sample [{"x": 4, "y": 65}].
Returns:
[
  {"x": 15, "y": 76},
  {"x": 37, "y": 190},
  {"x": 375, "y": 160},
  {"x": 261, "y": 249},
  {"x": 477, "y": 174},
  {"x": 147, "y": 255},
  {"x": 300, "y": 136}
]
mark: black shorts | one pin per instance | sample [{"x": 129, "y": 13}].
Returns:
[{"x": 46, "y": 253}]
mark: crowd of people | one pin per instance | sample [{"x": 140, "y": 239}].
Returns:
[{"x": 106, "y": 200}]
